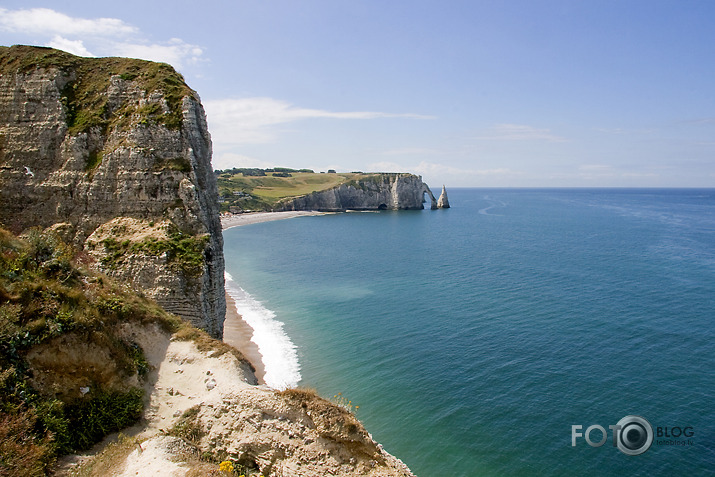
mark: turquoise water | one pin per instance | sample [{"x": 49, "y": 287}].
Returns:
[{"x": 474, "y": 338}]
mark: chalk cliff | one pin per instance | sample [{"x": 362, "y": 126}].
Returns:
[
  {"x": 115, "y": 155},
  {"x": 443, "y": 201},
  {"x": 382, "y": 191}
]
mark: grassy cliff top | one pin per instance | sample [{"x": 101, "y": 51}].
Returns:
[
  {"x": 262, "y": 189},
  {"x": 84, "y": 96}
]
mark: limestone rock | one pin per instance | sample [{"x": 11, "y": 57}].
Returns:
[
  {"x": 382, "y": 191},
  {"x": 443, "y": 201},
  {"x": 86, "y": 142}
]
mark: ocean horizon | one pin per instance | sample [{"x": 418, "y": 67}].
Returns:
[{"x": 502, "y": 336}]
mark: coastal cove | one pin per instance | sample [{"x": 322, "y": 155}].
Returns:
[
  {"x": 472, "y": 339},
  {"x": 237, "y": 331}
]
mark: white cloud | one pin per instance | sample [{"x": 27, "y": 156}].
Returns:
[
  {"x": 444, "y": 171},
  {"x": 175, "y": 52},
  {"x": 228, "y": 160},
  {"x": 385, "y": 166},
  {"x": 430, "y": 168},
  {"x": 250, "y": 120},
  {"x": 700, "y": 121},
  {"x": 103, "y": 36},
  {"x": 595, "y": 168},
  {"x": 607, "y": 171},
  {"x": 520, "y": 132},
  {"x": 47, "y": 21},
  {"x": 76, "y": 47}
]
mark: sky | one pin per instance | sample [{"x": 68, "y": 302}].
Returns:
[{"x": 475, "y": 93}]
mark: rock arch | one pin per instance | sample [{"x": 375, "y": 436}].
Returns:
[{"x": 426, "y": 190}]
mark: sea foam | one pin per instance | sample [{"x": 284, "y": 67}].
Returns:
[{"x": 279, "y": 355}]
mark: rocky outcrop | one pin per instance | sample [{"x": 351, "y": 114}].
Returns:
[
  {"x": 382, "y": 191},
  {"x": 443, "y": 201},
  {"x": 101, "y": 149},
  {"x": 204, "y": 398}
]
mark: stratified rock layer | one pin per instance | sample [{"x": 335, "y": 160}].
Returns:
[
  {"x": 86, "y": 142},
  {"x": 386, "y": 191}
]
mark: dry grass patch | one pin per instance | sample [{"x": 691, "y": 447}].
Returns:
[
  {"x": 206, "y": 344},
  {"x": 334, "y": 422},
  {"x": 109, "y": 460}
]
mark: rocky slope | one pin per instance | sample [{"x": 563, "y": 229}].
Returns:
[
  {"x": 202, "y": 401},
  {"x": 386, "y": 191},
  {"x": 115, "y": 154}
]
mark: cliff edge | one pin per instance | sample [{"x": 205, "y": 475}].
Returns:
[
  {"x": 114, "y": 154},
  {"x": 380, "y": 191}
]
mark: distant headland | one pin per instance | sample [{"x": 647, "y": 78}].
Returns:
[{"x": 283, "y": 189}]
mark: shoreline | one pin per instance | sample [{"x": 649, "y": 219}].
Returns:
[
  {"x": 238, "y": 334},
  {"x": 237, "y": 220},
  {"x": 236, "y": 331}
]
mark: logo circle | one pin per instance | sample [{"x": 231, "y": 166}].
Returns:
[{"x": 634, "y": 435}]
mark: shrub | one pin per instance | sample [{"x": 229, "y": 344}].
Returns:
[
  {"x": 44, "y": 295},
  {"x": 90, "y": 420}
]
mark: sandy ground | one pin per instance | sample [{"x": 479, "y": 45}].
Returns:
[
  {"x": 180, "y": 377},
  {"x": 228, "y": 221},
  {"x": 238, "y": 334}
]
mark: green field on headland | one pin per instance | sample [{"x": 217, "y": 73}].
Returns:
[{"x": 244, "y": 189}]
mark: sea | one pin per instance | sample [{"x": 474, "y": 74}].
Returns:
[{"x": 509, "y": 335}]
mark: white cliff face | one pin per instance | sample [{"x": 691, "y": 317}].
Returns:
[
  {"x": 387, "y": 191},
  {"x": 141, "y": 157},
  {"x": 443, "y": 201}
]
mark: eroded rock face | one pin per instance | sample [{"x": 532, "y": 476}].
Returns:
[
  {"x": 387, "y": 191},
  {"x": 87, "y": 141},
  {"x": 443, "y": 201},
  {"x": 288, "y": 433}
]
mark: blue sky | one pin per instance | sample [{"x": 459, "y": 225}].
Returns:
[{"x": 539, "y": 93}]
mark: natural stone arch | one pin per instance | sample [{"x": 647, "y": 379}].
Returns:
[{"x": 426, "y": 190}]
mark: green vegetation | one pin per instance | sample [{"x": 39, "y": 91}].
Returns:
[
  {"x": 180, "y": 164},
  {"x": 90, "y": 421},
  {"x": 264, "y": 189},
  {"x": 94, "y": 160},
  {"x": 183, "y": 252},
  {"x": 189, "y": 427},
  {"x": 45, "y": 296},
  {"x": 84, "y": 96}
]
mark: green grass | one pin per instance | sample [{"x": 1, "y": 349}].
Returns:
[
  {"x": 84, "y": 97},
  {"x": 267, "y": 191},
  {"x": 183, "y": 252}
]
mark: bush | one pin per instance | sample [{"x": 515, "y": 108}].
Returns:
[
  {"x": 44, "y": 295},
  {"x": 91, "y": 420}
]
